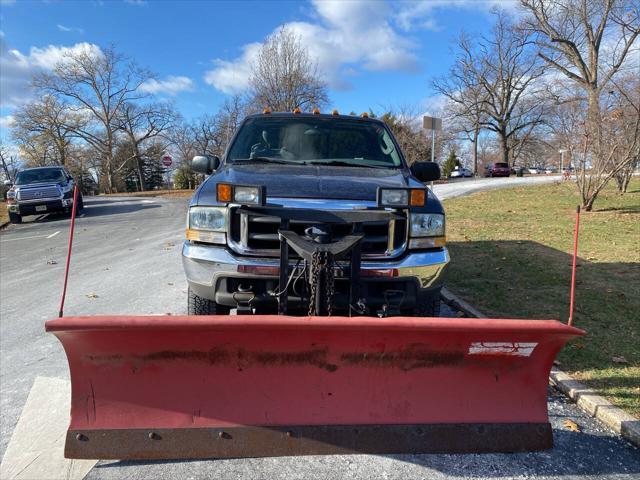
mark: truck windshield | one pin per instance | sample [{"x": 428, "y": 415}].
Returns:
[
  {"x": 315, "y": 141},
  {"x": 45, "y": 175}
]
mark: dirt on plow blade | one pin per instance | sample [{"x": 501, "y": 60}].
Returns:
[{"x": 161, "y": 387}]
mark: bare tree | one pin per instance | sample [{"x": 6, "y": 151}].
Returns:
[
  {"x": 406, "y": 125},
  {"x": 97, "y": 86},
  {"x": 284, "y": 76},
  {"x": 494, "y": 83},
  {"x": 10, "y": 164},
  {"x": 140, "y": 124},
  {"x": 46, "y": 121},
  {"x": 588, "y": 42}
]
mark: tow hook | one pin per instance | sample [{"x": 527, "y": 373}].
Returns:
[
  {"x": 243, "y": 298},
  {"x": 393, "y": 299}
]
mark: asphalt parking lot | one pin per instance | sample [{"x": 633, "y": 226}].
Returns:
[{"x": 127, "y": 260}]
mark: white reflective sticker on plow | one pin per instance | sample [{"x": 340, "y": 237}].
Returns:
[{"x": 517, "y": 349}]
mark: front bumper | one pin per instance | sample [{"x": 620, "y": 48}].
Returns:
[
  {"x": 213, "y": 271},
  {"x": 32, "y": 207}
]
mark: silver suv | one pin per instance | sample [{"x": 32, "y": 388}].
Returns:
[{"x": 41, "y": 190}]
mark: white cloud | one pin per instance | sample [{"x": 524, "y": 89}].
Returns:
[
  {"x": 420, "y": 15},
  {"x": 64, "y": 28},
  {"x": 171, "y": 85},
  {"x": 16, "y": 68},
  {"x": 347, "y": 38},
  {"x": 6, "y": 122}
]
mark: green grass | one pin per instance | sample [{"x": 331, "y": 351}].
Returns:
[{"x": 511, "y": 257}]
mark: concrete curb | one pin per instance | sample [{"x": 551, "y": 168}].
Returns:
[{"x": 592, "y": 404}]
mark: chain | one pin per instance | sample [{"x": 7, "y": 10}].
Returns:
[{"x": 321, "y": 260}]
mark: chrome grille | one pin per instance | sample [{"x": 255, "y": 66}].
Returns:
[
  {"x": 258, "y": 235},
  {"x": 38, "y": 193}
]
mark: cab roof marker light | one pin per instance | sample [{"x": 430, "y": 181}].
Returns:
[
  {"x": 316, "y": 111},
  {"x": 334, "y": 112},
  {"x": 266, "y": 110},
  {"x": 364, "y": 115},
  {"x": 296, "y": 110}
]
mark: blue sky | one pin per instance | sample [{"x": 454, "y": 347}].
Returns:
[{"x": 372, "y": 54}]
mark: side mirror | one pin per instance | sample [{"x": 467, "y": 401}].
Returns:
[
  {"x": 426, "y": 171},
  {"x": 206, "y": 164}
]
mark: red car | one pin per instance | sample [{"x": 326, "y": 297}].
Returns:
[{"x": 498, "y": 170}]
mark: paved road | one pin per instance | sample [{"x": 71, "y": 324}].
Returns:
[{"x": 127, "y": 260}]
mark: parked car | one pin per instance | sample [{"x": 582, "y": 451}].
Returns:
[
  {"x": 498, "y": 169},
  {"x": 460, "y": 172},
  {"x": 313, "y": 164},
  {"x": 41, "y": 190},
  {"x": 550, "y": 170},
  {"x": 534, "y": 170}
]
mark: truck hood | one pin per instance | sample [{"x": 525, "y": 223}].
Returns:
[{"x": 340, "y": 183}]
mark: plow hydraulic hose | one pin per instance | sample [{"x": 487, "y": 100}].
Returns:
[
  {"x": 573, "y": 268},
  {"x": 66, "y": 268}
]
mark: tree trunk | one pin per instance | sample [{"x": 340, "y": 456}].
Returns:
[{"x": 504, "y": 146}]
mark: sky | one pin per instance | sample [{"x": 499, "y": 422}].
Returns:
[{"x": 372, "y": 54}]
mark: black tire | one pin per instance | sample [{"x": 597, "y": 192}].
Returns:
[
  {"x": 80, "y": 204},
  {"x": 15, "y": 217},
  {"x": 428, "y": 305},
  {"x": 203, "y": 306}
]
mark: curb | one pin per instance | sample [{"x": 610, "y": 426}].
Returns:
[{"x": 627, "y": 426}]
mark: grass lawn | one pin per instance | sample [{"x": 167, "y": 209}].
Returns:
[
  {"x": 4, "y": 213},
  {"x": 511, "y": 257}
]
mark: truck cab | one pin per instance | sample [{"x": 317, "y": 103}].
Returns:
[{"x": 299, "y": 162}]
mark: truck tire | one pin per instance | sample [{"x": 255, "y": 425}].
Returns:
[
  {"x": 428, "y": 305},
  {"x": 15, "y": 217},
  {"x": 203, "y": 306}
]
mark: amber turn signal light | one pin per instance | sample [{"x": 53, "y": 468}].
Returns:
[
  {"x": 418, "y": 198},
  {"x": 224, "y": 192}
]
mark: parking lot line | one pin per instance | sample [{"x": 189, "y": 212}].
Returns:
[
  {"x": 53, "y": 234},
  {"x": 22, "y": 238}
]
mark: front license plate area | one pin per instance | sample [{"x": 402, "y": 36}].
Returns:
[{"x": 41, "y": 208}]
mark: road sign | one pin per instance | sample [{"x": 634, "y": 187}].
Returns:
[
  {"x": 167, "y": 161},
  {"x": 431, "y": 123}
]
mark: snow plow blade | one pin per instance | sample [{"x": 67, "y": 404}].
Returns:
[{"x": 163, "y": 387}]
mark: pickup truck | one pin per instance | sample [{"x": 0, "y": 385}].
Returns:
[
  {"x": 313, "y": 168},
  {"x": 41, "y": 190}
]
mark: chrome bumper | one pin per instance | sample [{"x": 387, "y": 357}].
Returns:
[{"x": 205, "y": 265}]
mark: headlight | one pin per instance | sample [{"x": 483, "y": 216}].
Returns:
[
  {"x": 208, "y": 218},
  {"x": 427, "y": 225},
  {"x": 394, "y": 198},
  {"x": 242, "y": 194},
  {"x": 11, "y": 194},
  {"x": 207, "y": 225},
  {"x": 246, "y": 195},
  {"x": 401, "y": 197}
]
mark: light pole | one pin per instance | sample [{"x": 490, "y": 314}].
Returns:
[
  {"x": 433, "y": 124},
  {"x": 561, "y": 152}
]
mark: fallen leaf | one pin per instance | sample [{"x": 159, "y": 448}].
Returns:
[
  {"x": 571, "y": 425},
  {"x": 91, "y": 295},
  {"x": 51, "y": 262},
  {"x": 578, "y": 345},
  {"x": 557, "y": 363},
  {"x": 170, "y": 283},
  {"x": 619, "y": 359}
]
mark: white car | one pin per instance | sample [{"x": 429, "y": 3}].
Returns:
[
  {"x": 534, "y": 170},
  {"x": 460, "y": 172}
]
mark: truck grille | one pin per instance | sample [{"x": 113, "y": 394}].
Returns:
[
  {"x": 259, "y": 235},
  {"x": 38, "y": 193}
]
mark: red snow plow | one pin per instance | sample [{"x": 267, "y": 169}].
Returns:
[{"x": 162, "y": 387}]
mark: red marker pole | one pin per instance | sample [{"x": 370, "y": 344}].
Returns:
[
  {"x": 573, "y": 267},
  {"x": 66, "y": 268}
]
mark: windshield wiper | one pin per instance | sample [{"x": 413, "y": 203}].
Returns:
[
  {"x": 264, "y": 160},
  {"x": 340, "y": 163}
]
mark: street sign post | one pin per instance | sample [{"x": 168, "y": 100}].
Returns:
[{"x": 433, "y": 124}]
